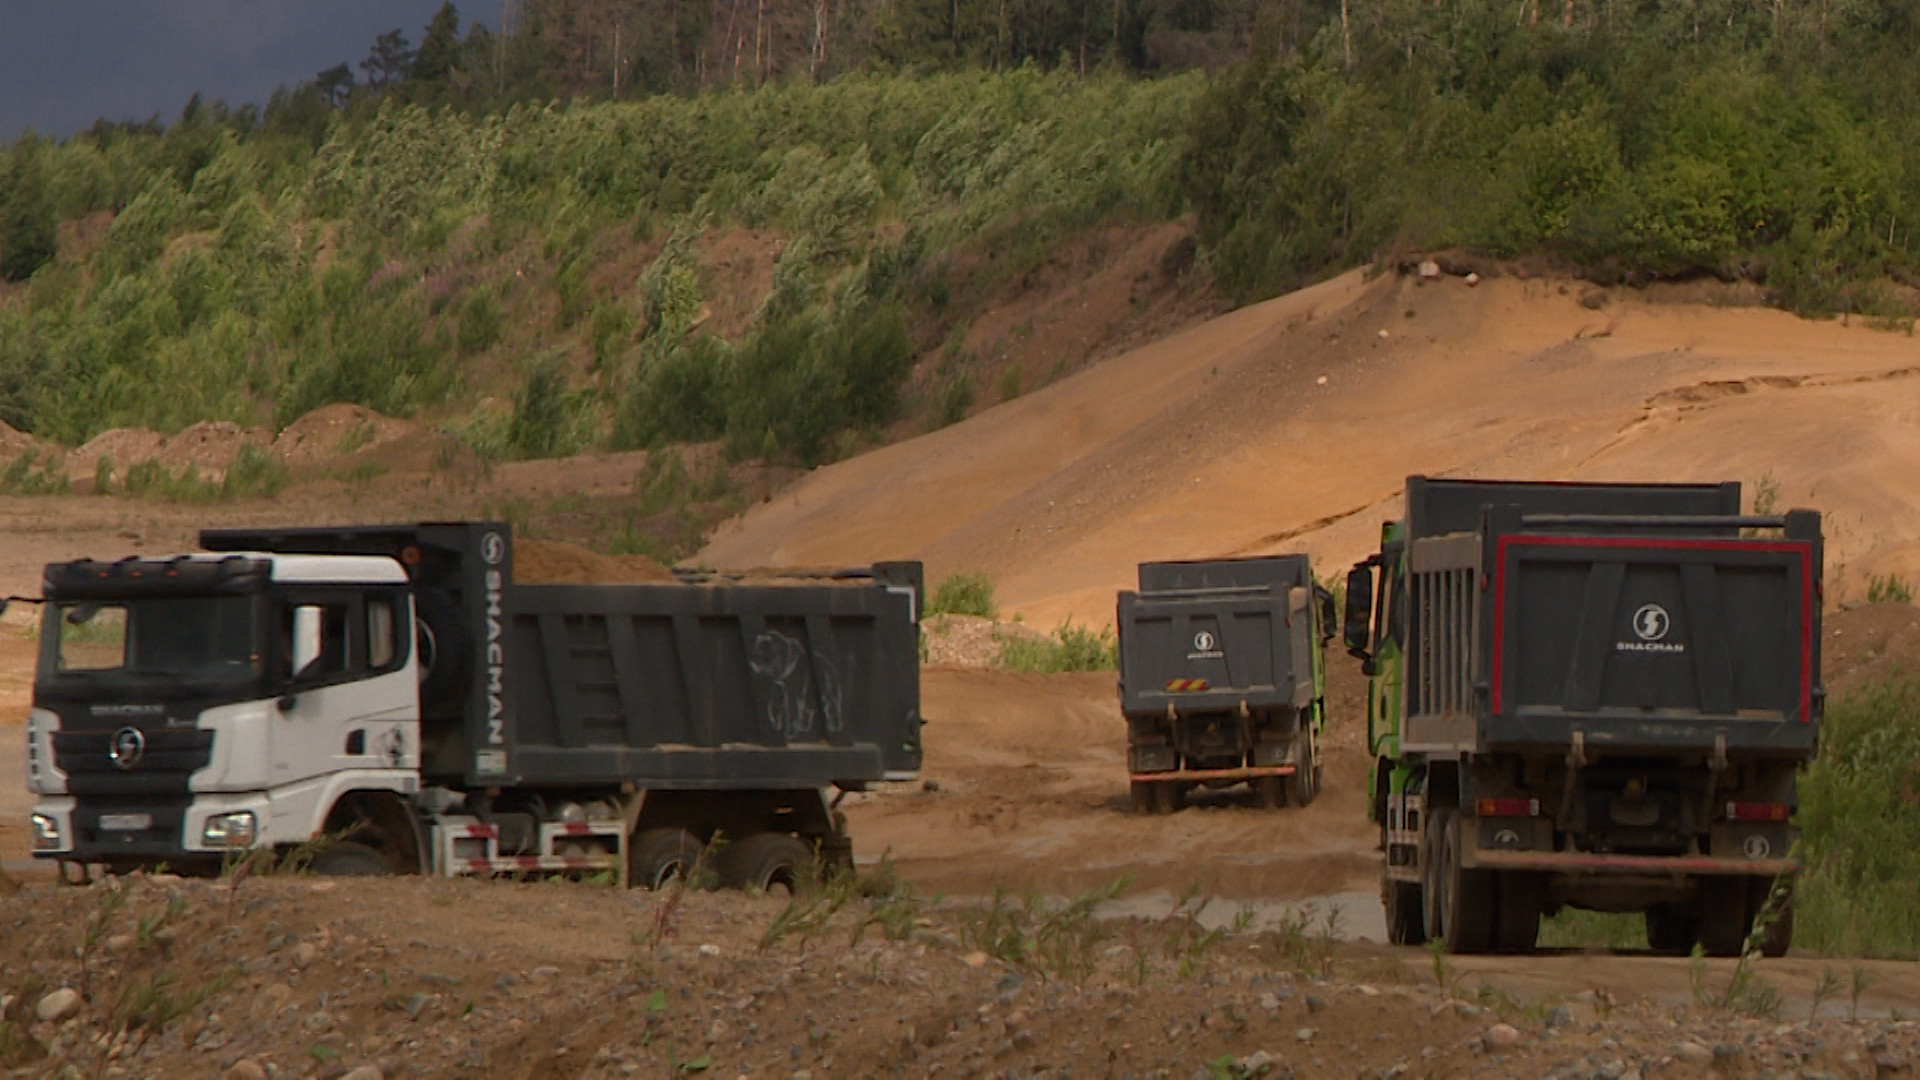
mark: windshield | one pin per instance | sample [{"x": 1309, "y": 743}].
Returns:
[{"x": 196, "y": 639}]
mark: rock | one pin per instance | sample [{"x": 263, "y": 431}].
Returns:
[
  {"x": 1367, "y": 991},
  {"x": 545, "y": 971},
  {"x": 1315, "y": 1003},
  {"x": 1561, "y": 1016},
  {"x": 1304, "y": 1035},
  {"x": 1429, "y": 269},
  {"x": 1693, "y": 1054},
  {"x": 1270, "y": 1003},
  {"x": 976, "y": 959},
  {"x": 709, "y": 950},
  {"x": 61, "y": 1004},
  {"x": 304, "y": 954},
  {"x": 1727, "y": 1051},
  {"x": 1884, "y": 1063},
  {"x": 1384, "y": 335},
  {"x": 365, "y": 1072},
  {"x": 1258, "y": 1063},
  {"x": 1501, "y": 1036},
  {"x": 245, "y": 1069},
  {"x": 930, "y": 786},
  {"x": 1612, "y": 1070},
  {"x": 1473, "y": 279}
]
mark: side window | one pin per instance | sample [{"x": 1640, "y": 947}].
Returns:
[
  {"x": 315, "y": 638},
  {"x": 384, "y": 644}
]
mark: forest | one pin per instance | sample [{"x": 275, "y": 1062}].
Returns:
[{"x": 433, "y": 227}]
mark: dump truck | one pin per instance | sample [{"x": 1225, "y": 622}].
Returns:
[
  {"x": 389, "y": 699},
  {"x": 1588, "y": 695},
  {"x": 1222, "y": 679}
]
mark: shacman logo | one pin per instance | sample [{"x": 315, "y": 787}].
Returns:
[
  {"x": 127, "y": 747},
  {"x": 1651, "y": 622},
  {"x": 1203, "y": 642},
  {"x": 493, "y": 549}
]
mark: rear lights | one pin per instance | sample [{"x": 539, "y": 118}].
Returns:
[
  {"x": 1758, "y": 811},
  {"x": 1507, "y": 807}
]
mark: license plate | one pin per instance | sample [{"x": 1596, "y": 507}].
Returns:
[{"x": 126, "y": 822}]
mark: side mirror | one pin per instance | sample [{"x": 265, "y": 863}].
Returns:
[
  {"x": 1325, "y": 601},
  {"x": 306, "y": 639},
  {"x": 1359, "y": 615}
]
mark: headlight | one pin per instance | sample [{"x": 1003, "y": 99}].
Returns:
[
  {"x": 229, "y": 830},
  {"x": 46, "y": 833}
]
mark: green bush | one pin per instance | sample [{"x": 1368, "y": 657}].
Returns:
[
  {"x": 1069, "y": 648},
  {"x": 965, "y": 593},
  {"x": 480, "y": 322},
  {"x": 1859, "y": 815}
]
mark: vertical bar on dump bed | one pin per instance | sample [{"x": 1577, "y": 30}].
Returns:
[
  {"x": 1712, "y": 661},
  {"x": 698, "y": 691},
  {"x": 827, "y": 683},
  {"x": 562, "y": 684},
  {"x": 1587, "y": 667},
  {"x": 627, "y": 663}
]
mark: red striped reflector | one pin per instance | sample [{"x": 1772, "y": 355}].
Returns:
[
  {"x": 1758, "y": 811},
  {"x": 1507, "y": 807}
]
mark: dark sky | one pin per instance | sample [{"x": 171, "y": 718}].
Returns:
[{"x": 64, "y": 63}]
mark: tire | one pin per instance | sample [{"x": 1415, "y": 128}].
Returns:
[
  {"x": 349, "y": 859},
  {"x": 1269, "y": 792},
  {"x": 1402, "y": 902},
  {"x": 658, "y": 857},
  {"x": 1724, "y": 916},
  {"x": 1460, "y": 905},
  {"x": 1168, "y": 796},
  {"x": 1522, "y": 897},
  {"x": 1304, "y": 784},
  {"x": 1671, "y": 929},
  {"x": 770, "y": 862}
]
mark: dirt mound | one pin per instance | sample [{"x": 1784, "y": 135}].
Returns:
[
  {"x": 122, "y": 446},
  {"x": 337, "y": 431},
  {"x": 552, "y": 562},
  {"x": 1868, "y": 644},
  {"x": 14, "y": 442},
  {"x": 968, "y": 641}
]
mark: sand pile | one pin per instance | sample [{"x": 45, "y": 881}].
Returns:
[{"x": 552, "y": 562}]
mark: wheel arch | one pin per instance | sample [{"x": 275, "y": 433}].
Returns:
[{"x": 382, "y": 819}]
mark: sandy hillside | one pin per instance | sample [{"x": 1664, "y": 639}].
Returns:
[{"x": 1290, "y": 425}]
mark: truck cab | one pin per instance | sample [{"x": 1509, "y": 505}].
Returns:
[{"x": 188, "y": 708}]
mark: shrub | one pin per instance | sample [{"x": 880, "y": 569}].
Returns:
[
  {"x": 964, "y": 593},
  {"x": 1859, "y": 813},
  {"x": 1069, "y": 648},
  {"x": 479, "y": 322}
]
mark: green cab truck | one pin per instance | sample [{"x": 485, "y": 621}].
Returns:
[{"x": 1588, "y": 695}]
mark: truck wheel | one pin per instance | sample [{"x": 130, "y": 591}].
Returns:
[
  {"x": 1724, "y": 916},
  {"x": 1670, "y": 929},
  {"x": 1304, "y": 783},
  {"x": 1168, "y": 796},
  {"x": 1460, "y": 902},
  {"x": 1140, "y": 793},
  {"x": 1270, "y": 792},
  {"x": 1404, "y": 922},
  {"x": 660, "y": 856},
  {"x": 348, "y": 859},
  {"x": 766, "y": 862}
]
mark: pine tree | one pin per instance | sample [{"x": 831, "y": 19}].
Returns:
[{"x": 28, "y": 239}]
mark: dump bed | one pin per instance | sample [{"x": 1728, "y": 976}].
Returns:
[
  {"x": 1590, "y": 619},
  {"x": 1210, "y": 636},
  {"x": 796, "y": 683}
]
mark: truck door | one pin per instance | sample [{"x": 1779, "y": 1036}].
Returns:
[{"x": 349, "y": 702}]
